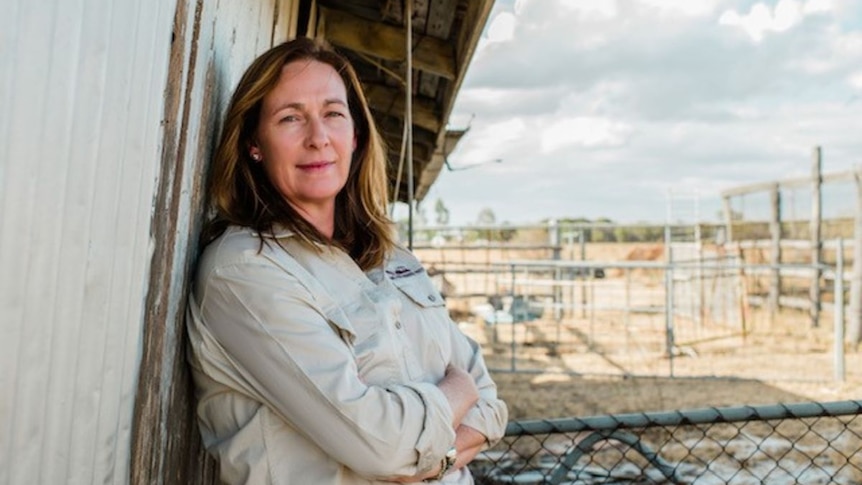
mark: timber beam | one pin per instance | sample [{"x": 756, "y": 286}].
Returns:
[
  {"x": 387, "y": 42},
  {"x": 424, "y": 111}
]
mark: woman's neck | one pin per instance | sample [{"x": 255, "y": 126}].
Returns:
[{"x": 322, "y": 218}]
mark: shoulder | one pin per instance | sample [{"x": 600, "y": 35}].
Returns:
[
  {"x": 402, "y": 262},
  {"x": 400, "y": 254},
  {"x": 239, "y": 247}
]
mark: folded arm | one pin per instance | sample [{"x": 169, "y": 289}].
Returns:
[{"x": 291, "y": 358}]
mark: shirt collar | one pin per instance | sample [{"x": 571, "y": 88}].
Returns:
[{"x": 278, "y": 232}]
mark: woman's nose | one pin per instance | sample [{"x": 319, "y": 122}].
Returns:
[{"x": 318, "y": 135}]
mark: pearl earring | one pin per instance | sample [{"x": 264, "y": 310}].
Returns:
[{"x": 256, "y": 157}]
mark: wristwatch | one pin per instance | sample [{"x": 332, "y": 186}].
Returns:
[{"x": 446, "y": 464}]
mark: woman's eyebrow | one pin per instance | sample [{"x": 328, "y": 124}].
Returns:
[
  {"x": 288, "y": 105},
  {"x": 300, "y": 106},
  {"x": 339, "y": 101}
]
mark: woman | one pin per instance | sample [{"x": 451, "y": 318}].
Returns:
[{"x": 321, "y": 352}]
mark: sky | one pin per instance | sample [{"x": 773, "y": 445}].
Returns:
[{"x": 640, "y": 110}]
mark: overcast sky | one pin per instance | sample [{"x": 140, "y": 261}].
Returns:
[{"x": 601, "y": 108}]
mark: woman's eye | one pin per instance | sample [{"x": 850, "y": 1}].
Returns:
[
  {"x": 289, "y": 118},
  {"x": 335, "y": 114}
]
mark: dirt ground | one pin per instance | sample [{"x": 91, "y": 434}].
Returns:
[
  {"x": 548, "y": 395},
  {"x": 579, "y": 368},
  {"x": 582, "y": 380}
]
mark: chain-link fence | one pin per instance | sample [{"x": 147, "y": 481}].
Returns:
[{"x": 806, "y": 443}]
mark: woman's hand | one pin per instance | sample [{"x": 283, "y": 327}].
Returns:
[
  {"x": 461, "y": 392},
  {"x": 468, "y": 441}
]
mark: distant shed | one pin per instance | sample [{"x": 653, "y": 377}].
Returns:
[{"x": 110, "y": 111}]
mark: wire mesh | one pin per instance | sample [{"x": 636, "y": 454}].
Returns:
[{"x": 803, "y": 443}]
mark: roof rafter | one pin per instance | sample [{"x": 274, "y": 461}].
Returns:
[
  {"x": 387, "y": 42},
  {"x": 424, "y": 111}
]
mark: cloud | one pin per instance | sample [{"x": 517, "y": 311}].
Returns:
[
  {"x": 502, "y": 27},
  {"x": 597, "y": 108},
  {"x": 688, "y": 8},
  {"x": 588, "y": 132},
  {"x": 762, "y": 19},
  {"x": 490, "y": 142}
]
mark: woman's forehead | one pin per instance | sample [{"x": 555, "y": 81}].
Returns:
[{"x": 308, "y": 77}]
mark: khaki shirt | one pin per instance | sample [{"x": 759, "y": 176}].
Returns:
[{"x": 310, "y": 371}]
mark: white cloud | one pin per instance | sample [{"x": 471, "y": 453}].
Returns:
[
  {"x": 599, "y": 8},
  {"x": 761, "y": 19},
  {"x": 787, "y": 14},
  {"x": 755, "y": 23},
  {"x": 691, "y": 8},
  {"x": 596, "y": 115},
  {"x": 817, "y": 6},
  {"x": 588, "y": 132},
  {"x": 502, "y": 27},
  {"x": 489, "y": 142}
]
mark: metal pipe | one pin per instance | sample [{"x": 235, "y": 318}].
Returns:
[{"x": 687, "y": 417}]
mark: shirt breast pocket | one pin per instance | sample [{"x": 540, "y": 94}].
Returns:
[{"x": 420, "y": 290}]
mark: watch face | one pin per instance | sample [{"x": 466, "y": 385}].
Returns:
[{"x": 451, "y": 456}]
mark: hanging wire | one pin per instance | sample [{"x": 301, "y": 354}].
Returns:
[
  {"x": 400, "y": 167},
  {"x": 408, "y": 121}
]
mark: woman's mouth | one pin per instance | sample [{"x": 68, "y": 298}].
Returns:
[{"x": 312, "y": 166}]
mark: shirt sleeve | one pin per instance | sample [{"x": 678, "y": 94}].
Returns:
[
  {"x": 292, "y": 357},
  {"x": 490, "y": 415}
]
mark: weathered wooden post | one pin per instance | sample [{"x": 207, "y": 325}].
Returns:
[
  {"x": 854, "y": 319},
  {"x": 775, "y": 253},
  {"x": 556, "y": 254},
  {"x": 728, "y": 219},
  {"x": 838, "y": 340},
  {"x": 815, "y": 235}
]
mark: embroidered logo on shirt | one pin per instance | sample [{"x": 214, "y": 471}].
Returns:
[{"x": 403, "y": 272}]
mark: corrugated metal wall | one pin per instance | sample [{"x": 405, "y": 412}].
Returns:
[
  {"x": 81, "y": 97},
  {"x": 107, "y": 111}
]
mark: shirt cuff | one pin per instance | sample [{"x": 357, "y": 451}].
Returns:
[
  {"x": 437, "y": 433},
  {"x": 488, "y": 418}
]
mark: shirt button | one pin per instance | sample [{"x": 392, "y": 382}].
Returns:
[
  {"x": 432, "y": 298},
  {"x": 398, "y": 324}
]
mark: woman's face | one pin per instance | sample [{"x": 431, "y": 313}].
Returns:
[{"x": 305, "y": 136}]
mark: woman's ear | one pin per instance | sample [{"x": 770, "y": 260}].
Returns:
[{"x": 254, "y": 152}]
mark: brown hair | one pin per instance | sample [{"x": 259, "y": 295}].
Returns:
[{"x": 242, "y": 194}]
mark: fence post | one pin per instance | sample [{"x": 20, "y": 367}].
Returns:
[
  {"x": 728, "y": 219},
  {"x": 815, "y": 227},
  {"x": 854, "y": 321},
  {"x": 555, "y": 241},
  {"x": 775, "y": 253},
  {"x": 668, "y": 289},
  {"x": 582, "y": 242},
  {"x": 839, "y": 312},
  {"x": 512, "y": 294}
]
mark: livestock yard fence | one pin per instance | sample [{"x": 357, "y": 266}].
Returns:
[
  {"x": 804, "y": 443},
  {"x": 561, "y": 296},
  {"x": 753, "y": 297}
]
